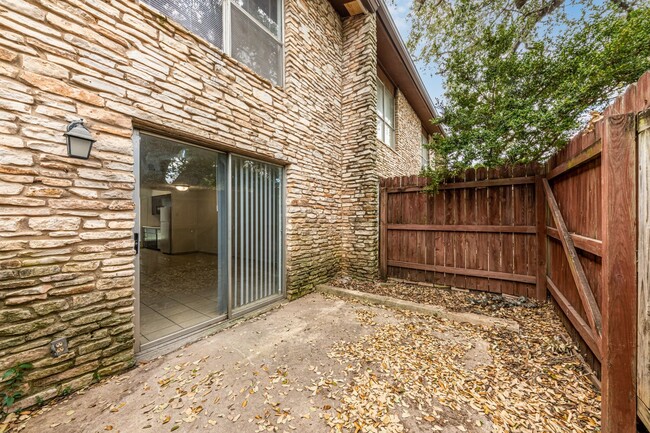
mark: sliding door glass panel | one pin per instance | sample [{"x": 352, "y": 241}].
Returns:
[
  {"x": 256, "y": 231},
  {"x": 184, "y": 256}
]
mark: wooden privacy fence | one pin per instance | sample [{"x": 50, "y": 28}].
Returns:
[
  {"x": 643, "y": 260},
  {"x": 479, "y": 232},
  {"x": 593, "y": 263},
  {"x": 573, "y": 227}
]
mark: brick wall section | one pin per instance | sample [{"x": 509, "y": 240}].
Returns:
[
  {"x": 359, "y": 125},
  {"x": 405, "y": 159},
  {"x": 66, "y": 257}
]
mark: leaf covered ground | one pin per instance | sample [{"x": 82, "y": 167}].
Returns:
[
  {"x": 322, "y": 364},
  {"x": 536, "y": 382}
]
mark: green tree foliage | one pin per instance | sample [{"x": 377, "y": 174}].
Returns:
[{"x": 521, "y": 76}]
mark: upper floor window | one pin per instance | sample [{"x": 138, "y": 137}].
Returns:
[
  {"x": 256, "y": 30},
  {"x": 248, "y": 30},
  {"x": 424, "y": 152},
  {"x": 385, "y": 114}
]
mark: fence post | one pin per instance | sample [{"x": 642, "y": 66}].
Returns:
[
  {"x": 383, "y": 232},
  {"x": 540, "y": 215},
  {"x": 619, "y": 296}
]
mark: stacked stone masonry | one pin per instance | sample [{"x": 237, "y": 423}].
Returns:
[
  {"x": 66, "y": 250},
  {"x": 359, "y": 195}
]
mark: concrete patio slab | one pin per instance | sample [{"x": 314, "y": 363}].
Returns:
[
  {"x": 329, "y": 364},
  {"x": 275, "y": 373}
]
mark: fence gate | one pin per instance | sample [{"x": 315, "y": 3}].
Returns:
[{"x": 643, "y": 360}]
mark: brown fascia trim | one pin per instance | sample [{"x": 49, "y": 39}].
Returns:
[
  {"x": 371, "y": 5},
  {"x": 387, "y": 21}
]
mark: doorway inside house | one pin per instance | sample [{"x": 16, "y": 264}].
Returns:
[{"x": 209, "y": 234}]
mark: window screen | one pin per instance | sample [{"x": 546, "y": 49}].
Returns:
[
  {"x": 255, "y": 47},
  {"x": 424, "y": 152},
  {"x": 265, "y": 12},
  {"x": 255, "y": 37},
  {"x": 203, "y": 17}
]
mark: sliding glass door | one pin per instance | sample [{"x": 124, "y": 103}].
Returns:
[
  {"x": 256, "y": 231},
  {"x": 210, "y": 237},
  {"x": 183, "y": 254}
]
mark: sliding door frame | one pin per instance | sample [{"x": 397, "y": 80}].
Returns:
[
  {"x": 136, "y": 239},
  {"x": 231, "y": 312}
]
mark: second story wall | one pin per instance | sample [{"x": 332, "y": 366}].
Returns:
[{"x": 405, "y": 158}]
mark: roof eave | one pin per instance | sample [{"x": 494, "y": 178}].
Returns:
[{"x": 371, "y": 5}]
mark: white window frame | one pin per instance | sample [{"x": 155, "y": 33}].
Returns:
[
  {"x": 381, "y": 118},
  {"x": 425, "y": 155}
]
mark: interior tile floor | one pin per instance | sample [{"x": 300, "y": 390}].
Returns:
[{"x": 176, "y": 292}]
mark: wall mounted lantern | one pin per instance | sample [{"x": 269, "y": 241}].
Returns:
[{"x": 79, "y": 140}]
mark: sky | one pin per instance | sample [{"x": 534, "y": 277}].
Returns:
[{"x": 399, "y": 11}]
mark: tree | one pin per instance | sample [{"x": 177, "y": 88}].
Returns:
[{"x": 520, "y": 75}]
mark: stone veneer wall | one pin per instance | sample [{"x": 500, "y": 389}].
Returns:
[
  {"x": 66, "y": 253},
  {"x": 405, "y": 159},
  {"x": 360, "y": 205}
]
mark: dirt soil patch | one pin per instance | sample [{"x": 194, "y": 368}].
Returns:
[{"x": 322, "y": 364}]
